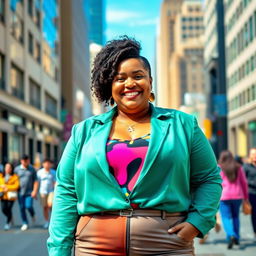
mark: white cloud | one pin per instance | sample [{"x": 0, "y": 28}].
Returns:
[
  {"x": 143, "y": 22},
  {"x": 116, "y": 16}
]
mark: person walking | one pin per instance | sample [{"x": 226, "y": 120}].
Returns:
[
  {"x": 46, "y": 178},
  {"x": 250, "y": 172},
  {"x": 137, "y": 180},
  {"x": 27, "y": 191},
  {"x": 234, "y": 191},
  {"x": 9, "y": 184}
]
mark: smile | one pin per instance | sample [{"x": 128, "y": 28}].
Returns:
[{"x": 131, "y": 94}]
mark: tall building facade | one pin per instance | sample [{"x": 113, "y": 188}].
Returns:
[
  {"x": 30, "y": 91},
  {"x": 240, "y": 23},
  {"x": 180, "y": 77},
  {"x": 75, "y": 66},
  {"x": 215, "y": 73},
  {"x": 96, "y": 10}
]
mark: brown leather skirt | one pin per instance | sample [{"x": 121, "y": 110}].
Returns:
[{"x": 144, "y": 232}]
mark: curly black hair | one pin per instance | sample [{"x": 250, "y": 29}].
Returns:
[{"x": 107, "y": 61}]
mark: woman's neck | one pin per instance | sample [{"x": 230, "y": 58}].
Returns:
[{"x": 134, "y": 116}]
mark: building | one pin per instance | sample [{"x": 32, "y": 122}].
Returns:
[
  {"x": 30, "y": 91},
  {"x": 96, "y": 10},
  {"x": 215, "y": 73},
  {"x": 240, "y": 23},
  {"x": 165, "y": 47},
  {"x": 75, "y": 66},
  {"x": 181, "y": 77}
]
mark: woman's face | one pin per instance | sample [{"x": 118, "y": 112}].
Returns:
[
  {"x": 131, "y": 86},
  {"x": 8, "y": 169}
]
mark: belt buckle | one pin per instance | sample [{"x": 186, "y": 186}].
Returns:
[{"x": 126, "y": 212}]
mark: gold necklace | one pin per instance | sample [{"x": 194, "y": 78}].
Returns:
[{"x": 130, "y": 127}]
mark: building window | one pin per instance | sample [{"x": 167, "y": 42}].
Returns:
[
  {"x": 38, "y": 52},
  {"x": 16, "y": 27},
  {"x": 30, "y": 8},
  {"x": 16, "y": 82},
  {"x": 2, "y": 77},
  {"x": 2, "y": 10},
  {"x": 37, "y": 18},
  {"x": 251, "y": 28},
  {"x": 30, "y": 43},
  {"x": 35, "y": 94},
  {"x": 51, "y": 105}
]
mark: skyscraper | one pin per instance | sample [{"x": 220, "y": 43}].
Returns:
[
  {"x": 240, "y": 23},
  {"x": 29, "y": 80},
  {"x": 180, "y": 63},
  {"x": 97, "y": 20}
]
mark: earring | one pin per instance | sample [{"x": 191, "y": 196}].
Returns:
[
  {"x": 112, "y": 102},
  {"x": 152, "y": 97}
]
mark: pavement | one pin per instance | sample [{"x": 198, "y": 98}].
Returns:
[{"x": 33, "y": 241}]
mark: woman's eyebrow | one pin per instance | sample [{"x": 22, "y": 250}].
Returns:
[{"x": 133, "y": 72}]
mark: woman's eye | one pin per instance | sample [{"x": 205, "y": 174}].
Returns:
[
  {"x": 120, "y": 79},
  {"x": 138, "y": 76}
]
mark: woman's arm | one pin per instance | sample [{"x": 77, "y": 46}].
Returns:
[
  {"x": 64, "y": 213},
  {"x": 205, "y": 183}
]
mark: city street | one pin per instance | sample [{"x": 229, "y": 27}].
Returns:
[{"x": 33, "y": 241}]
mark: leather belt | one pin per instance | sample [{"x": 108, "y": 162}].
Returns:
[{"x": 143, "y": 213}]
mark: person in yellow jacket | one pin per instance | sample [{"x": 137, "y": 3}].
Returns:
[{"x": 9, "y": 185}]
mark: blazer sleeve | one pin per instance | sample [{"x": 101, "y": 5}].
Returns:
[
  {"x": 205, "y": 183},
  {"x": 64, "y": 213}
]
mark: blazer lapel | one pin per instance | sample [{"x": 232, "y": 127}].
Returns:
[
  {"x": 100, "y": 135},
  {"x": 159, "y": 129}
]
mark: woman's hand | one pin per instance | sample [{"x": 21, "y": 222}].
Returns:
[{"x": 185, "y": 230}]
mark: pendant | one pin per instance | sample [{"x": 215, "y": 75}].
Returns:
[{"x": 130, "y": 128}]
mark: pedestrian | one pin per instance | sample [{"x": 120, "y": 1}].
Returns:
[
  {"x": 137, "y": 180},
  {"x": 46, "y": 178},
  {"x": 250, "y": 172},
  {"x": 28, "y": 190},
  {"x": 234, "y": 191},
  {"x": 9, "y": 184}
]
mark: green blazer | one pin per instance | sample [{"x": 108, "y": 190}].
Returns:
[{"x": 180, "y": 173}]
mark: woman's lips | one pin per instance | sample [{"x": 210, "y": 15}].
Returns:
[{"x": 131, "y": 95}]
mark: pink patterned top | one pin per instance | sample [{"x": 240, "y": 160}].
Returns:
[{"x": 126, "y": 159}]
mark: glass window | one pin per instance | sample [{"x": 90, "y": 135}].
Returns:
[
  {"x": 37, "y": 54},
  {"x": 2, "y": 76},
  {"x": 30, "y": 44},
  {"x": 16, "y": 82},
  {"x": 16, "y": 27},
  {"x": 255, "y": 23},
  {"x": 37, "y": 18},
  {"x": 253, "y": 92},
  {"x": 30, "y": 8},
  {"x": 51, "y": 105},
  {"x": 252, "y": 63},
  {"x": 2, "y": 10},
  {"x": 251, "y": 28},
  {"x": 35, "y": 94}
]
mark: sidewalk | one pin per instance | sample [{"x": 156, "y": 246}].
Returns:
[{"x": 216, "y": 244}]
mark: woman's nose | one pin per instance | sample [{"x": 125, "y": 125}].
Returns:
[{"x": 130, "y": 82}]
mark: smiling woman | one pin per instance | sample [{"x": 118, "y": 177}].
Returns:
[{"x": 137, "y": 180}]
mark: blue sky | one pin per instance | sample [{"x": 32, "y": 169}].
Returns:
[{"x": 136, "y": 18}]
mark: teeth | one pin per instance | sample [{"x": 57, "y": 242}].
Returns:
[{"x": 131, "y": 93}]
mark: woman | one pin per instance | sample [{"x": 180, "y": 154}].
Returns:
[
  {"x": 234, "y": 191},
  {"x": 131, "y": 175},
  {"x": 9, "y": 184}
]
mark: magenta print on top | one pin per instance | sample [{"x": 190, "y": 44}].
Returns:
[{"x": 126, "y": 159}]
